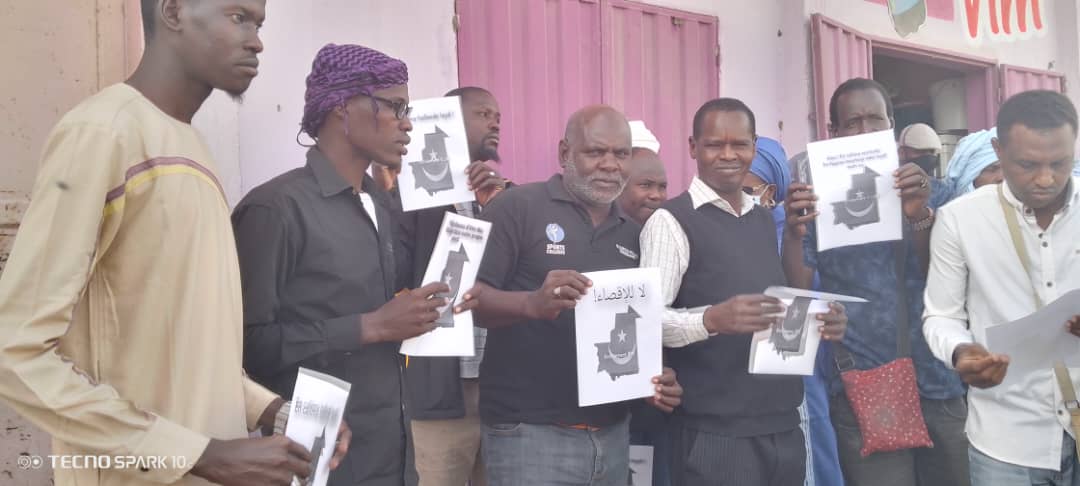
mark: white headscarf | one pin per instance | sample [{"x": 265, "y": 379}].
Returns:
[{"x": 642, "y": 137}]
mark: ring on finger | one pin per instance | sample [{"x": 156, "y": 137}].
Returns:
[
  {"x": 924, "y": 183},
  {"x": 558, "y": 291}
]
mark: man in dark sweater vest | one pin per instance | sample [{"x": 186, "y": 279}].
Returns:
[{"x": 717, "y": 252}]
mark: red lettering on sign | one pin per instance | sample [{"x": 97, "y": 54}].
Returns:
[
  {"x": 1002, "y": 23},
  {"x": 971, "y": 13}
]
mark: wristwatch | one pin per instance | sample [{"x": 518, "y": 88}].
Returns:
[
  {"x": 925, "y": 223},
  {"x": 282, "y": 418}
]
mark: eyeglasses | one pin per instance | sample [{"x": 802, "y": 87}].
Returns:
[
  {"x": 401, "y": 108},
  {"x": 756, "y": 190}
]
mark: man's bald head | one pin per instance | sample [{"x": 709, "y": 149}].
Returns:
[
  {"x": 593, "y": 152},
  {"x": 595, "y": 117}
]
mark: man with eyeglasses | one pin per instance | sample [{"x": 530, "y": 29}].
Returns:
[{"x": 317, "y": 249}]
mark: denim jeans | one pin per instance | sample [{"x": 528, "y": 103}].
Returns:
[
  {"x": 822, "y": 451},
  {"x": 987, "y": 471},
  {"x": 521, "y": 454},
  {"x": 946, "y": 464}
]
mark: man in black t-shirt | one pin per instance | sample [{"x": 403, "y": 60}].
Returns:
[{"x": 543, "y": 236}]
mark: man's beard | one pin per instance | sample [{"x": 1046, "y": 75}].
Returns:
[
  {"x": 579, "y": 187},
  {"x": 487, "y": 153}
]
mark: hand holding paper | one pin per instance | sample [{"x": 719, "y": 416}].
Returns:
[
  {"x": 834, "y": 322},
  {"x": 914, "y": 187},
  {"x": 800, "y": 209},
  {"x": 742, "y": 314},
  {"x": 316, "y": 420},
  {"x": 1074, "y": 325},
  {"x": 484, "y": 181},
  {"x": 408, "y": 314},
  {"x": 344, "y": 438},
  {"x": 561, "y": 291},
  {"x": 253, "y": 462},
  {"x": 454, "y": 263},
  {"x": 668, "y": 392},
  {"x": 789, "y": 345}
]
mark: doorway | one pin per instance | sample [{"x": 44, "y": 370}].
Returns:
[{"x": 934, "y": 92}]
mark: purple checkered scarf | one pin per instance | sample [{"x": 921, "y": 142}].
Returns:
[{"x": 340, "y": 72}]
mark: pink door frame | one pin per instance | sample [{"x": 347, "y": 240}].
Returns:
[
  {"x": 838, "y": 53},
  {"x": 981, "y": 79},
  {"x": 1015, "y": 79}
]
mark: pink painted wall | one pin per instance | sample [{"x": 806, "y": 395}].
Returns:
[
  {"x": 545, "y": 59},
  {"x": 660, "y": 66},
  {"x": 541, "y": 59}
]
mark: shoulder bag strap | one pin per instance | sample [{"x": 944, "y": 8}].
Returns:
[{"x": 1061, "y": 373}]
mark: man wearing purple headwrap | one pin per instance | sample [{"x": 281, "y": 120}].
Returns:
[{"x": 317, "y": 248}]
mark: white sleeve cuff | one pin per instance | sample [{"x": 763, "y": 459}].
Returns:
[
  {"x": 683, "y": 327},
  {"x": 943, "y": 335}
]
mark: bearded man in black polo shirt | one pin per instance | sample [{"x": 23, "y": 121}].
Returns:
[
  {"x": 543, "y": 235},
  {"x": 717, "y": 252}
]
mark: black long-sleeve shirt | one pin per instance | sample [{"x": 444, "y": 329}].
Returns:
[{"x": 311, "y": 262}]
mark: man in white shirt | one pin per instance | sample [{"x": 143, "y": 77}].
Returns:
[
  {"x": 1019, "y": 434},
  {"x": 717, "y": 253}
]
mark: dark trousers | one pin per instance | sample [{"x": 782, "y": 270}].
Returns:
[
  {"x": 946, "y": 464},
  {"x": 649, "y": 427},
  {"x": 702, "y": 458}
]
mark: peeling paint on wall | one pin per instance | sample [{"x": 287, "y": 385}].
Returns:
[{"x": 61, "y": 59}]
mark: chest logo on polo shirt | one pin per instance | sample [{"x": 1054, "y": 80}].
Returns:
[
  {"x": 626, "y": 252},
  {"x": 555, "y": 235}
]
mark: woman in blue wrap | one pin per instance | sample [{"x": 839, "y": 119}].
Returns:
[{"x": 974, "y": 163}]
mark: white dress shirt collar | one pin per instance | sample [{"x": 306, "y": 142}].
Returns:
[{"x": 701, "y": 194}]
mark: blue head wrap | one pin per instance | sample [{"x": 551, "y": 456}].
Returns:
[
  {"x": 973, "y": 154},
  {"x": 771, "y": 165}
]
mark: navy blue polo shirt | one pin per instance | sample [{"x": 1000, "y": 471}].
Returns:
[{"x": 529, "y": 372}]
